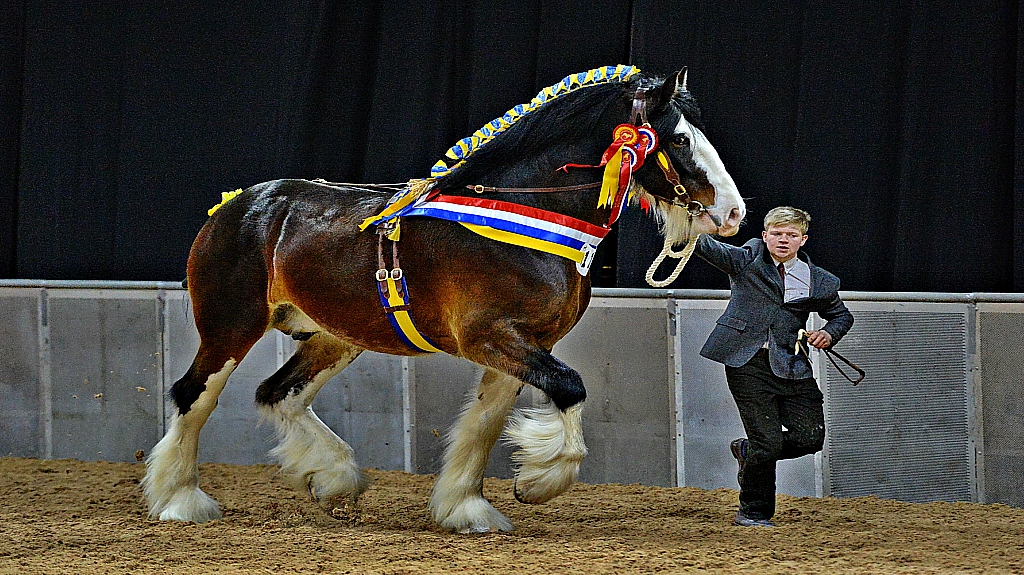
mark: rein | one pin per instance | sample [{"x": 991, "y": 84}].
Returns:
[
  {"x": 803, "y": 346},
  {"x": 489, "y": 190}
]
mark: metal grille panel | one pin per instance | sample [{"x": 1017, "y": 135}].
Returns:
[
  {"x": 903, "y": 432},
  {"x": 1001, "y": 364}
]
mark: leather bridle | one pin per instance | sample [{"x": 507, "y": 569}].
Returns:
[
  {"x": 682, "y": 195},
  {"x": 638, "y": 117}
]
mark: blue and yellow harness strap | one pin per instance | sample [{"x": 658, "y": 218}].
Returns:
[{"x": 394, "y": 297}]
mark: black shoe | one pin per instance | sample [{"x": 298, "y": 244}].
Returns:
[
  {"x": 744, "y": 521},
  {"x": 738, "y": 447}
]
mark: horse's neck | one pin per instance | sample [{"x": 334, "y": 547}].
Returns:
[{"x": 544, "y": 171}]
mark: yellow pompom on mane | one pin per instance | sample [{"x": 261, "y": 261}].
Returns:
[{"x": 225, "y": 197}]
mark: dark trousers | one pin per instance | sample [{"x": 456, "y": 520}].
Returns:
[{"x": 767, "y": 403}]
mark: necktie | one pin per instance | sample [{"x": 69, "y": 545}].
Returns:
[{"x": 782, "y": 276}]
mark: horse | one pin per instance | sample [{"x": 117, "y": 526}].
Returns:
[{"x": 495, "y": 281}]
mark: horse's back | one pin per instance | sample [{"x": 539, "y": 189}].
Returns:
[{"x": 239, "y": 251}]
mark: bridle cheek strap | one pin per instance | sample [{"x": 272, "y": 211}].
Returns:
[
  {"x": 639, "y": 117},
  {"x": 693, "y": 207}
]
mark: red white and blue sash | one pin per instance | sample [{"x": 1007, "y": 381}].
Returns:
[{"x": 516, "y": 224}]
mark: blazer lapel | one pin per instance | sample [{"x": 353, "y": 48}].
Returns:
[
  {"x": 768, "y": 268},
  {"x": 817, "y": 279}
]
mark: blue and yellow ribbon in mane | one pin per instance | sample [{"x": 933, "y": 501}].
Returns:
[{"x": 466, "y": 146}]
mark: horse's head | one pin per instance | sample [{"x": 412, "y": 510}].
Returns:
[{"x": 691, "y": 190}]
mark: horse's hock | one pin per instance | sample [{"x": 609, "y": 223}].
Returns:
[{"x": 87, "y": 366}]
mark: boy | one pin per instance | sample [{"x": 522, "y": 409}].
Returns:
[{"x": 773, "y": 293}]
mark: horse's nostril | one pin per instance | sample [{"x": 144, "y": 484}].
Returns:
[{"x": 734, "y": 217}]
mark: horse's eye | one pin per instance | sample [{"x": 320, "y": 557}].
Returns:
[{"x": 680, "y": 140}]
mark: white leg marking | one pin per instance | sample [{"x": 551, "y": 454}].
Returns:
[
  {"x": 457, "y": 502},
  {"x": 171, "y": 484},
  {"x": 312, "y": 457},
  {"x": 551, "y": 450}
]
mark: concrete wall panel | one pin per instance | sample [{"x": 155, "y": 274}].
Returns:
[
  {"x": 621, "y": 349},
  {"x": 21, "y": 432},
  {"x": 903, "y": 432},
  {"x": 105, "y": 354}
]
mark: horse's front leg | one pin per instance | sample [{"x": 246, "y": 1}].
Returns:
[
  {"x": 457, "y": 502},
  {"x": 550, "y": 437}
]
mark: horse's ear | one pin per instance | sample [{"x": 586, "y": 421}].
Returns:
[{"x": 674, "y": 84}]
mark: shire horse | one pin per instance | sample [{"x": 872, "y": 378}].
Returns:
[{"x": 292, "y": 255}]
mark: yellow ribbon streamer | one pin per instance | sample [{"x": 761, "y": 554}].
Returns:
[
  {"x": 404, "y": 321},
  {"x": 610, "y": 182}
]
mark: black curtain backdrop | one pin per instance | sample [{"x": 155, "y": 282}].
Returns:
[{"x": 895, "y": 125}]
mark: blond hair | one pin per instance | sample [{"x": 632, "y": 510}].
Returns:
[{"x": 788, "y": 216}]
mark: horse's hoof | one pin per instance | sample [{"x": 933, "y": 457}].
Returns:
[
  {"x": 477, "y": 529},
  {"x": 518, "y": 494},
  {"x": 190, "y": 505},
  {"x": 526, "y": 499},
  {"x": 538, "y": 489},
  {"x": 330, "y": 489},
  {"x": 503, "y": 526},
  {"x": 472, "y": 515}
]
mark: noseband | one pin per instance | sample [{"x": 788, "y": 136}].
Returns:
[{"x": 682, "y": 195}]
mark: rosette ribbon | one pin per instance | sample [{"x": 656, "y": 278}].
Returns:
[{"x": 626, "y": 154}]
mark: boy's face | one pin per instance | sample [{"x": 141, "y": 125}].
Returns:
[{"x": 783, "y": 241}]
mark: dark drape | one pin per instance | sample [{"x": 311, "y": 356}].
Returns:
[
  {"x": 895, "y": 124},
  {"x": 12, "y": 18},
  {"x": 891, "y": 123}
]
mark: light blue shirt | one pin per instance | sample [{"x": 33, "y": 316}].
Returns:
[{"x": 798, "y": 279}]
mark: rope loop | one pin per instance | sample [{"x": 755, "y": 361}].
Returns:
[{"x": 666, "y": 251}]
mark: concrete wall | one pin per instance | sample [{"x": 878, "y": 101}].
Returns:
[{"x": 85, "y": 370}]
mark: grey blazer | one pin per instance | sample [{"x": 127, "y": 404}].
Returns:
[{"x": 756, "y": 312}]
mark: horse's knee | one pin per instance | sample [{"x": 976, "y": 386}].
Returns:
[
  {"x": 187, "y": 390},
  {"x": 558, "y": 381}
]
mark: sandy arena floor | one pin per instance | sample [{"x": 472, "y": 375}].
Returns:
[{"x": 67, "y": 516}]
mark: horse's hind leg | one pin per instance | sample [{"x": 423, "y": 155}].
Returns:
[
  {"x": 171, "y": 484},
  {"x": 457, "y": 502},
  {"x": 312, "y": 457}
]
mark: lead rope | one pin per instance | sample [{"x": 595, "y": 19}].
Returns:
[{"x": 683, "y": 256}]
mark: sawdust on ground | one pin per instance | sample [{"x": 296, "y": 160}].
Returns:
[{"x": 69, "y": 516}]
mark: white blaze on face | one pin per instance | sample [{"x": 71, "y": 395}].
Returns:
[{"x": 705, "y": 156}]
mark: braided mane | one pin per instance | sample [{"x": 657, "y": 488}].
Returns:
[{"x": 466, "y": 147}]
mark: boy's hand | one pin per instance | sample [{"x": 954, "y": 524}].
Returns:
[{"x": 819, "y": 338}]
